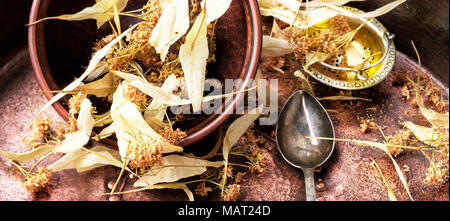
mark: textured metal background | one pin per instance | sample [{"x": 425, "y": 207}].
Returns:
[{"x": 347, "y": 174}]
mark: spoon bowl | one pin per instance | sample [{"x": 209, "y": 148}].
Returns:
[{"x": 302, "y": 121}]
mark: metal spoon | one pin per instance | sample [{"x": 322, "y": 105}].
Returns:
[{"x": 303, "y": 116}]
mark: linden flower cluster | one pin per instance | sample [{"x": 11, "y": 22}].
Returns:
[
  {"x": 74, "y": 108},
  {"x": 172, "y": 136},
  {"x": 42, "y": 129},
  {"x": 436, "y": 174},
  {"x": 433, "y": 93},
  {"x": 151, "y": 13},
  {"x": 258, "y": 162},
  {"x": 38, "y": 183},
  {"x": 75, "y": 103},
  {"x": 231, "y": 193},
  {"x": 43, "y": 125},
  {"x": 247, "y": 147},
  {"x": 228, "y": 171},
  {"x": 136, "y": 96},
  {"x": 366, "y": 125},
  {"x": 143, "y": 155},
  {"x": 401, "y": 138},
  {"x": 202, "y": 189},
  {"x": 321, "y": 41},
  {"x": 256, "y": 157},
  {"x": 147, "y": 153},
  {"x": 138, "y": 49}
]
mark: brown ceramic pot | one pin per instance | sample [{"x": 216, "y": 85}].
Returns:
[{"x": 60, "y": 49}]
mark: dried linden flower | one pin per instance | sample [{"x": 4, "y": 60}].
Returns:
[
  {"x": 232, "y": 193},
  {"x": 38, "y": 183},
  {"x": 436, "y": 174},
  {"x": 42, "y": 129},
  {"x": 75, "y": 103},
  {"x": 229, "y": 171},
  {"x": 136, "y": 96},
  {"x": 401, "y": 138},
  {"x": 202, "y": 189},
  {"x": 34, "y": 141},
  {"x": 103, "y": 42},
  {"x": 340, "y": 25},
  {"x": 144, "y": 155},
  {"x": 43, "y": 125},
  {"x": 152, "y": 12},
  {"x": 239, "y": 177},
  {"x": 364, "y": 126},
  {"x": 172, "y": 136}
]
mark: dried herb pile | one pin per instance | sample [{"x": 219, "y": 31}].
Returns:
[
  {"x": 138, "y": 73},
  {"x": 143, "y": 70},
  {"x": 289, "y": 40},
  {"x": 319, "y": 31}
]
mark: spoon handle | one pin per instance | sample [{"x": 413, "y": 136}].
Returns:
[{"x": 309, "y": 184}]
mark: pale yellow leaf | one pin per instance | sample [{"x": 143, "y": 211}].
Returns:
[
  {"x": 157, "y": 93},
  {"x": 155, "y": 108},
  {"x": 85, "y": 123},
  {"x": 384, "y": 9},
  {"x": 235, "y": 131},
  {"x": 215, "y": 9},
  {"x": 182, "y": 186},
  {"x": 106, "y": 132},
  {"x": 435, "y": 118},
  {"x": 319, "y": 3},
  {"x": 99, "y": 70},
  {"x": 173, "y": 168},
  {"x": 314, "y": 16},
  {"x": 372, "y": 14},
  {"x": 156, "y": 123},
  {"x": 276, "y": 32},
  {"x": 73, "y": 141},
  {"x": 275, "y": 47},
  {"x": 284, "y": 15},
  {"x": 163, "y": 96},
  {"x": 83, "y": 160},
  {"x": 353, "y": 52},
  {"x": 424, "y": 134},
  {"x": 29, "y": 155},
  {"x": 193, "y": 57},
  {"x": 290, "y": 5},
  {"x": 314, "y": 57},
  {"x": 400, "y": 175},
  {"x": 100, "y": 88},
  {"x": 130, "y": 126},
  {"x": 391, "y": 194},
  {"x": 172, "y": 25},
  {"x": 102, "y": 12}
]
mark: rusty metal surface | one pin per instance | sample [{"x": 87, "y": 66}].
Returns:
[{"x": 347, "y": 175}]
